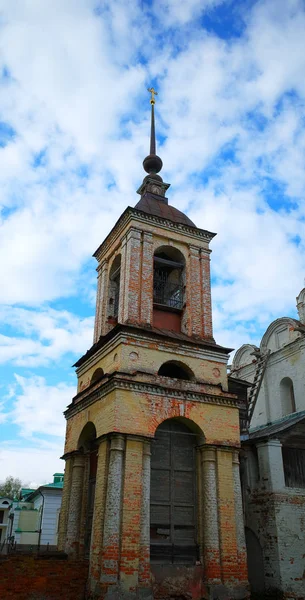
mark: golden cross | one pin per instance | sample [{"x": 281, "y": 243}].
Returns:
[{"x": 153, "y": 94}]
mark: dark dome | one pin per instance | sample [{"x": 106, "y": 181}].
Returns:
[{"x": 159, "y": 208}]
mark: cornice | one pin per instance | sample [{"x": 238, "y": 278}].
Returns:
[
  {"x": 143, "y": 217},
  {"x": 123, "y": 332},
  {"x": 84, "y": 400}
]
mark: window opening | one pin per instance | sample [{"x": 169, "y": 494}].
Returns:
[
  {"x": 175, "y": 370},
  {"x": 168, "y": 281},
  {"x": 173, "y": 495},
  {"x": 287, "y": 396},
  {"x": 294, "y": 467}
]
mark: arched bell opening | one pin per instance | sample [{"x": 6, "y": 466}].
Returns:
[
  {"x": 176, "y": 370},
  {"x": 173, "y": 498},
  {"x": 168, "y": 288},
  {"x": 87, "y": 444},
  {"x": 114, "y": 289}
]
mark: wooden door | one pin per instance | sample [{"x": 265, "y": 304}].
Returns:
[{"x": 173, "y": 495}]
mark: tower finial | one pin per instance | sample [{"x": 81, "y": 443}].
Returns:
[
  {"x": 153, "y": 94},
  {"x": 152, "y": 163}
]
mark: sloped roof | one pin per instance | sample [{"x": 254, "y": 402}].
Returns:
[
  {"x": 160, "y": 208},
  {"x": 281, "y": 425}
]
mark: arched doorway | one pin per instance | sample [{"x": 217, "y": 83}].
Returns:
[
  {"x": 86, "y": 443},
  {"x": 173, "y": 495}
]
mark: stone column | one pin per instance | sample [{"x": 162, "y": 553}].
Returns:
[
  {"x": 206, "y": 300},
  {"x": 144, "y": 562},
  {"x": 98, "y": 517},
  {"x": 113, "y": 510},
  {"x": 64, "y": 509},
  {"x": 239, "y": 519},
  {"x": 75, "y": 505},
  {"x": 211, "y": 550},
  {"x": 270, "y": 461},
  {"x": 146, "y": 284}
]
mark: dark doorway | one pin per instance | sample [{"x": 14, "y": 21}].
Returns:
[
  {"x": 91, "y": 495},
  {"x": 173, "y": 495}
]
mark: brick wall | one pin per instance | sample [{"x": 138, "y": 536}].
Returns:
[{"x": 30, "y": 578}]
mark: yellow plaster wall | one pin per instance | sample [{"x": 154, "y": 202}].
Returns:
[{"x": 127, "y": 411}]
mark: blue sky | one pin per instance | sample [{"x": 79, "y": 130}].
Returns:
[{"x": 74, "y": 127}]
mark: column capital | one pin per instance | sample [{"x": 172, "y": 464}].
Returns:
[{"x": 117, "y": 442}]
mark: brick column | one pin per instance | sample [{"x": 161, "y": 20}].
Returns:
[
  {"x": 75, "y": 505},
  {"x": 144, "y": 562},
  {"x": 210, "y": 515},
  {"x": 132, "y": 509},
  {"x": 147, "y": 275},
  {"x": 194, "y": 292},
  {"x": 226, "y": 514},
  {"x": 98, "y": 516},
  {"x": 64, "y": 509},
  {"x": 132, "y": 276},
  {"x": 206, "y": 300},
  {"x": 270, "y": 461},
  {"x": 113, "y": 509},
  {"x": 101, "y": 301},
  {"x": 242, "y": 571}
]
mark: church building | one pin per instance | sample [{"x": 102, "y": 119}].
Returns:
[{"x": 152, "y": 494}]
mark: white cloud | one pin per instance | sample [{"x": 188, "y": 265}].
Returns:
[
  {"x": 44, "y": 335},
  {"x": 33, "y": 465},
  {"x": 38, "y": 407}
]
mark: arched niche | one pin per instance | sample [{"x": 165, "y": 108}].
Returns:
[
  {"x": 168, "y": 287},
  {"x": 173, "y": 499},
  {"x": 97, "y": 375},
  {"x": 114, "y": 288},
  {"x": 176, "y": 370},
  {"x": 287, "y": 396}
]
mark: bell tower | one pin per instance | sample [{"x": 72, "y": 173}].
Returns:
[{"x": 152, "y": 490}]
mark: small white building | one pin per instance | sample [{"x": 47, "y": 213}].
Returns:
[
  {"x": 273, "y": 458},
  {"x": 36, "y": 516},
  {"x": 5, "y": 505}
]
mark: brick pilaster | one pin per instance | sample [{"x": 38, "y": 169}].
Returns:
[
  {"x": 209, "y": 501},
  {"x": 132, "y": 509},
  {"x": 146, "y": 284},
  {"x": 226, "y": 512},
  {"x": 193, "y": 292},
  {"x": 132, "y": 277},
  {"x": 144, "y": 554},
  {"x": 206, "y": 300}
]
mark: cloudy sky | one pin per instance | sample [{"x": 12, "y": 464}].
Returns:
[{"x": 74, "y": 123}]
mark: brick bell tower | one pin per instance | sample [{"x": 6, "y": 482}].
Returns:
[{"x": 152, "y": 490}]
